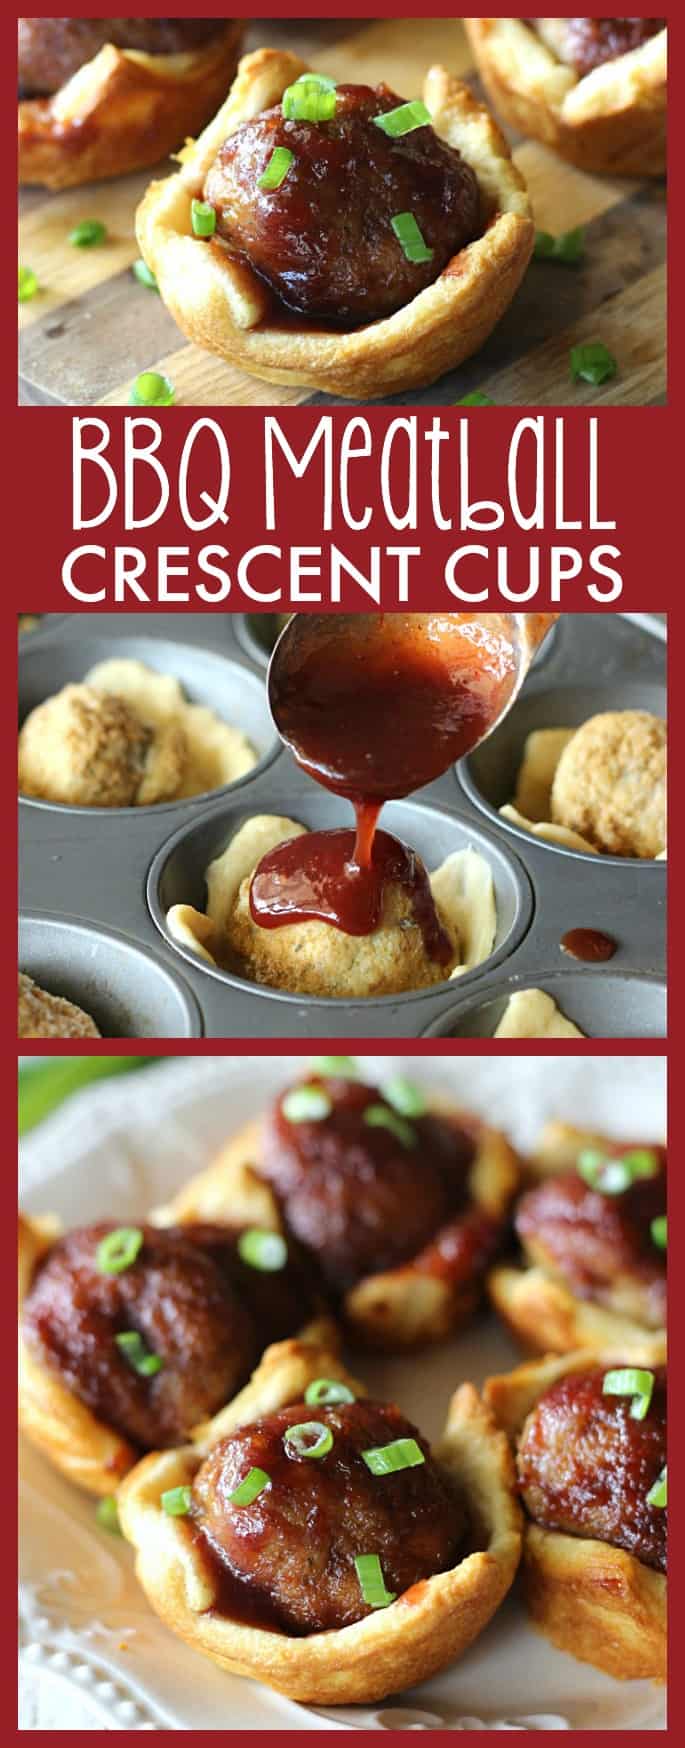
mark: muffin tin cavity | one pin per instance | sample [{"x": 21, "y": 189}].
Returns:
[
  {"x": 233, "y": 692},
  {"x": 600, "y": 1003},
  {"x": 258, "y": 632},
  {"x": 128, "y": 991}
]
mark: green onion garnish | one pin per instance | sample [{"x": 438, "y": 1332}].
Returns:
[
  {"x": 263, "y": 1250},
  {"x": 306, "y": 1104},
  {"x": 89, "y": 232},
  {"x": 249, "y": 1489},
  {"x": 659, "y": 1231},
  {"x": 380, "y": 1117},
  {"x": 402, "y": 1453},
  {"x": 277, "y": 168},
  {"x": 403, "y": 120},
  {"x": 323, "y": 1390},
  {"x": 371, "y": 1581},
  {"x": 613, "y": 1176},
  {"x": 139, "y": 1357},
  {"x": 568, "y": 248},
  {"x": 144, "y": 275},
  {"x": 28, "y": 284},
  {"x": 118, "y": 1251},
  {"x": 410, "y": 239},
  {"x": 658, "y": 1494},
  {"x": 202, "y": 218},
  {"x": 337, "y": 1067},
  {"x": 107, "y": 1514},
  {"x": 311, "y": 98},
  {"x": 152, "y": 390},
  {"x": 176, "y": 1501},
  {"x": 592, "y": 363},
  {"x": 310, "y": 1438},
  {"x": 476, "y": 399},
  {"x": 404, "y": 1096},
  {"x": 630, "y": 1381}
]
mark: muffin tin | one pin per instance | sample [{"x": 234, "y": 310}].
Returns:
[{"x": 96, "y": 884}]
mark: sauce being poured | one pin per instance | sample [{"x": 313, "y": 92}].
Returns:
[{"x": 318, "y": 876}]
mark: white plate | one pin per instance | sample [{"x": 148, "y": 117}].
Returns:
[{"x": 93, "y": 1656}]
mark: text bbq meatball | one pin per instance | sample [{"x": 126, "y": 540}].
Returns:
[
  {"x": 354, "y": 1194},
  {"x": 52, "y": 49},
  {"x": 323, "y": 240},
  {"x": 601, "y": 1245},
  {"x": 296, "y": 1544},
  {"x": 585, "y": 1466}
]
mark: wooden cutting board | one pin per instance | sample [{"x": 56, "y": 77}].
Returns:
[{"x": 92, "y": 327}]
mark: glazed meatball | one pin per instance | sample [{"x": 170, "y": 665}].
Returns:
[
  {"x": 610, "y": 783},
  {"x": 353, "y": 1194},
  {"x": 184, "y": 1295},
  {"x": 585, "y": 1466},
  {"x": 52, "y": 49},
  {"x": 584, "y": 43},
  {"x": 295, "y": 1545},
  {"x": 324, "y": 240},
  {"x": 599, "y": 1244},
  {"x": 87, "y": 748}
]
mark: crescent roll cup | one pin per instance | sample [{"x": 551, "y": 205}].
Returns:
[
  {"x": 123, "y": 110},
  {"x": 70, "y": 1435},
  {"x": 612, "y": 120},
  {"x": 542, "y": 1312},
  {"x": 399, "y": 1308},
  {"x": 222, "y": 305},
  {"x": 597, "y": 1602},
  {"x": 428, "y": 1627}
]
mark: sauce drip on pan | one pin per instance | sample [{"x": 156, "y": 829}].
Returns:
[{"x": 590, "y": 945}]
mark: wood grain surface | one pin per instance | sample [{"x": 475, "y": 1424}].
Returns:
[{"x": 92, "y": 327}]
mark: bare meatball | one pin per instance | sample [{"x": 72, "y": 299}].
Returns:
[
  {"x": 52, "y": 49},
  {"x": 324, "y": 240},
  {"x": 610, "y": 783},
  {"x": 184, "y": 1296},
  {"x": 295, "y": 1546},
  {"x": 586, "y": 1466},
  {"x": 601, "y": 1245},
  {"x": 584, "y": 43},
  {"x": 41, "y": 1015},
  {"x": 86, "y": 748},
  {"x": 352, "y": 1193}
]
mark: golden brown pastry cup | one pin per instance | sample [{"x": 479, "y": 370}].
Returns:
[
  {"x": 427, "y": 1628},
  {"x": 597, "y": 1602}
]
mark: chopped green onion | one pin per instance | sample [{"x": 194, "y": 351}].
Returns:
[
  {"x": 107, "y": 1514},
  {"x": 337, "y": 1067},
  {"x": 659, "y": 1231},
  {"x": 89, "y": 232},
  {"x": 592, "y": 363},
  {"x": 139, "y": 1357},
  {"x": 202, "y": 218},
  {"x": 311, "y": 98},
  {"x": 613, "y": 1176},
  {"x": 263, "y": 1250},
  {"x": 144, "y": 275},
  {"x": 323, "y": 1390},
  {"x": 306, "y": 1104},
  {"x": 630, "y": 1381},
  {"x": 277, "y": 168},
  {"x": 642, "y": 1162},
  {"x": 176, "y": 1501},
  {"x": 371, "y": 1581},
  {"x": 404, "y": 119},
  {"x": 402, "y": 1453},
  {"x": 410, "y": 239},
  {"x": 476, "y": 399},
  {"x": 118, "y": 1251},
  {"x": 380, "y": 1117},
  {"x": 152, "y": 390},
  {"x": 298, "y": 1439},
  {"x": 568, "y": 248},
  {"x": 404, "y": 1096},
  {"x": 658, "y": 1494},
  {"x": 249, "y": 1489},
  {"x": 28, "y": 284}
]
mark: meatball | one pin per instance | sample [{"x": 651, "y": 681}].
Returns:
[
  {"x": 585, "y": 1466},
  {"x": 610, "y": 783},
  {"x": 295, "y": 1546},
  {"x": 185, "y": 1296},
  {"x": 601, "y": 1245},
  {"x": 87, "y": 748},
  {"x": 354, "y": 1194},
  {"x": 50, "y": 1016},
  {"x": 584, "y": 43},
  {"x": 52, "y": 49},
  {"x": 324, "y": 239}
]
